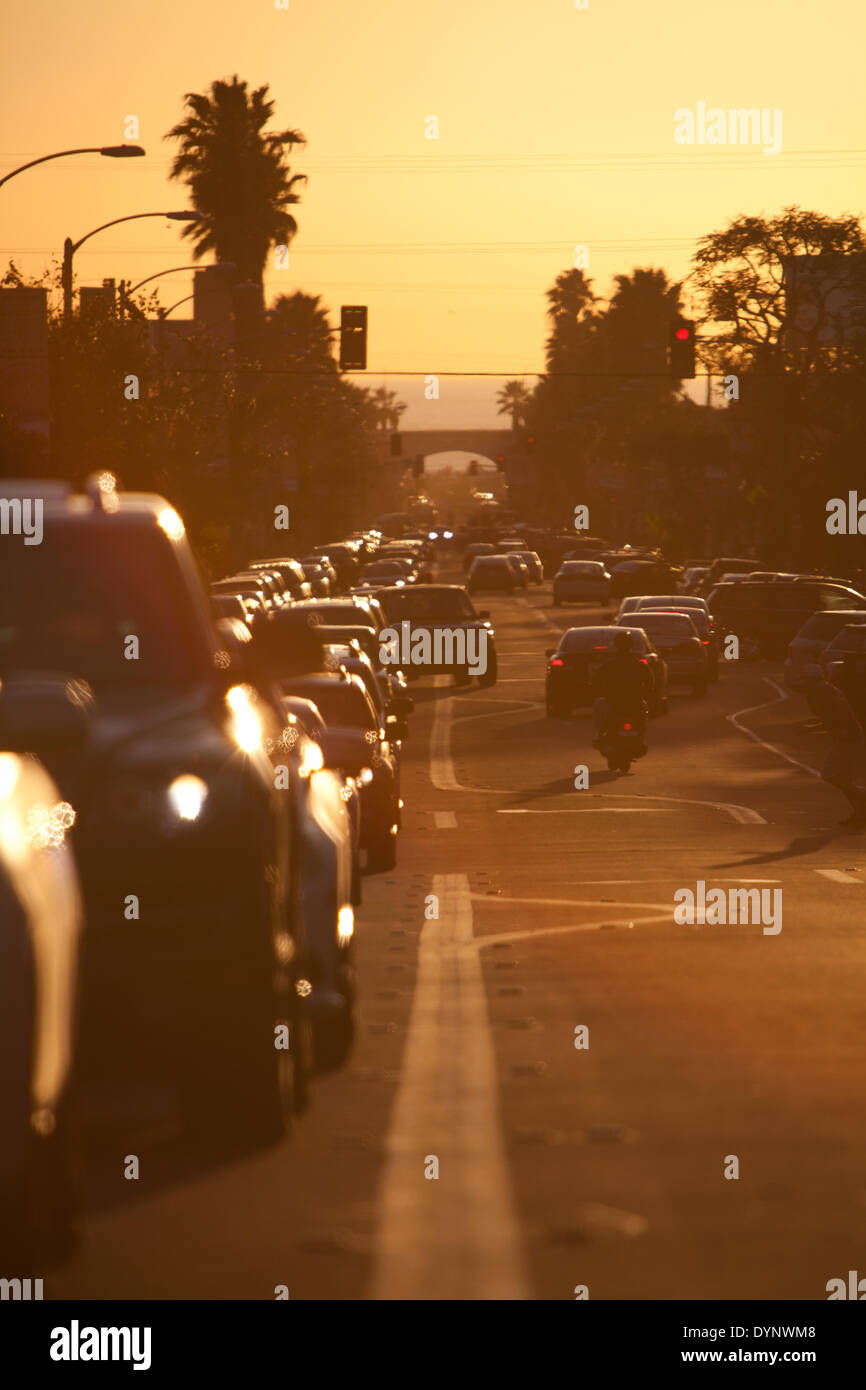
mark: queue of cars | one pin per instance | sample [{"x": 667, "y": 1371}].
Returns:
[{"x": 191, "y": 787}]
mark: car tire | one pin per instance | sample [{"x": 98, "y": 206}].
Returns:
[
  {"x": 489, "y": 677},
  {"x": 333, "y": 1039},
  {"x": 236, "y": 1086}
]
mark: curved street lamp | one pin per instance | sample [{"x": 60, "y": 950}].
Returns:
[
  {"x": 125, "y": 292},
  {"x": 70, "y": 247},
  {"x": 110, "y": 152}
]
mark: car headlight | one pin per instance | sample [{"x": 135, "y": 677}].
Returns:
[
  {"x": 313, "y": 759},
  {"x": 187, "y": 795},
  {"x": 247, "y": 725},
  {"x": 365, "y": 776}
]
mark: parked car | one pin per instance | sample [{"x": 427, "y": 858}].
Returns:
[
  {"x": 812, "y": 639},
  {"x": 40, "y": 936},
  {"x": 581, "y": 581},
  {"x": 182, "y": 839},
  {"x": 675, "y": 636},
  {"x": 572, "y": 665}
]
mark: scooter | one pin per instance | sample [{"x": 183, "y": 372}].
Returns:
[{"x": 622, "y": 742}]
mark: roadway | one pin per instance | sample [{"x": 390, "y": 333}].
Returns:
[{"x": 601, "y": 1166}]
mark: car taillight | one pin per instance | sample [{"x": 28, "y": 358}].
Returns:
[
  {"x": 705, "y": 641},
  {"x": 601, "y": 648},
  {"x": 627, "y": 726},
  {"x": 557, "y": 661},
  {"x": 644, "y": 660}
]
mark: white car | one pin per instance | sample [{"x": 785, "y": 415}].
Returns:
[
  {"x": 581, "y": 581},
  {"x": 40, "y": 927}
]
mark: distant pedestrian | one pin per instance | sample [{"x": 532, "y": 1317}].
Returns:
[{"x": 845, "y": 764}]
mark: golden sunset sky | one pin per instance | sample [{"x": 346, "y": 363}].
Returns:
[{"x": 555, "y": 130}]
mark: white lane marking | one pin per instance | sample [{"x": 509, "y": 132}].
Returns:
[
  {"x": 839, "y": 876},
  {"x": 455, "y": 1238},
  {"x": 606, "y": 882},
  {"x": 442, "y": 773},
  {"x": 771, "y": 747},
  {"x": 743, "y": 814},
  {"x": 444, "y": 820},
  {"x": 557, "y": 902},
  {"x": 580, "y": 811}
]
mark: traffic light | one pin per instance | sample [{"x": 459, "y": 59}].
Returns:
[
  {"x": 353, "y": 338},
  {"x": 681, "y": 343},
  {"x": 500, "y": 463},
  {"x": 395, "y": 444}
]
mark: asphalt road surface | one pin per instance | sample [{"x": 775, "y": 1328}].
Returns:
[{"x": 601, "y": 1166}]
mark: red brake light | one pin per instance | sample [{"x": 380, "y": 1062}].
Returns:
[
  {"x": 626, "y": 726},
  {"x": 644, "y": 660},
  {"x": 706, "y": 641},
  {"x": 557, "y": 661},
  {"x": 602, "y": 648}
]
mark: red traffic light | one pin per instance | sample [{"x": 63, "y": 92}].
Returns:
[{"x": 683, "y": 334}]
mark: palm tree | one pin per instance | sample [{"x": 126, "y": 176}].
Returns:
[
  {"x": 513, "y": 399},
  {"x": 240, "y": 183},
  {"x": 388, "y": 408},
  {"x": 300, "y": 328}
]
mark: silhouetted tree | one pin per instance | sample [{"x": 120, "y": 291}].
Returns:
[{"x": 240, "y": 183}]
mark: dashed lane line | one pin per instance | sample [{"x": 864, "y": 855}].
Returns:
[
  {"x": 444, "y": 820},
  {"x": 840, "y": 876}
]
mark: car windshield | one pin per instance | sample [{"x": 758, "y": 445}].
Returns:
[
  {"x": 428, "y": 605},
  {"x": 70, "y": 603},
  {"x": 342, "y": 704},
  {"x": 849, "y": 640},
  {"x": 339, "y": 615},
  {"x": 587, "y": 639},
  {"x": 675, "y": 623},
  {"x": 823, "y": 626}
]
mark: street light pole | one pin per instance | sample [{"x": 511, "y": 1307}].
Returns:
[
  {"x": 109, "y": 151},
  {"x": 70, "y": 247}
]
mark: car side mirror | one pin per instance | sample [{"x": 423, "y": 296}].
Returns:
[{"x": 39, "y": 713}]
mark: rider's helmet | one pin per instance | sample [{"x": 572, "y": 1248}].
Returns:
[{"x": 622, "y": 642}]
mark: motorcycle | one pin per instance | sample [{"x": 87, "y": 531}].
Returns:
[{"x": 622, "y": 741}]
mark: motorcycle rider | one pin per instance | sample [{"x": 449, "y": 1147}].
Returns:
[{"x": 621, "y": 686}]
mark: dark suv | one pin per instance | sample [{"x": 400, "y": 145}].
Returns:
[
  {"x": 766, "y": 615},
  {"x": 113, "y": 673}
]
